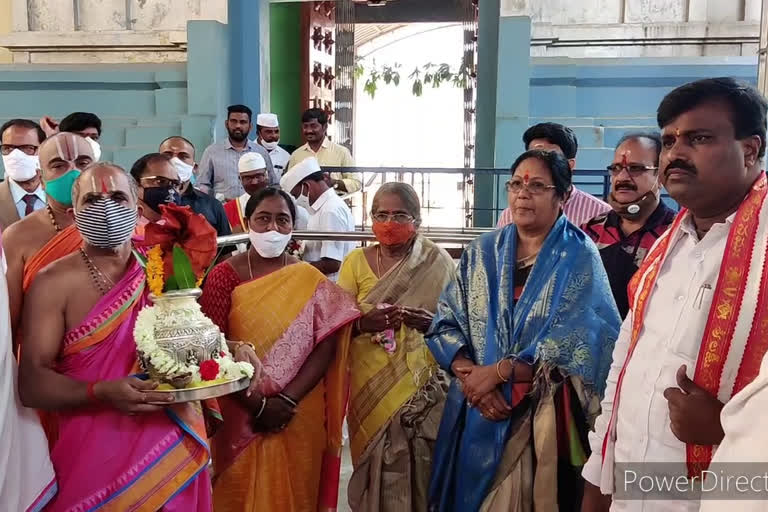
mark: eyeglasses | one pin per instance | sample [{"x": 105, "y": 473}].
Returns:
[
  {"x": 536, "y": 188},
  {"x": 634, "y": 170},
  {"x": 29, "y": 149},
  {"x": 160, "y": 182},
  {"x": 255, "y": 177},
  {"x": 400, "y": 218}
]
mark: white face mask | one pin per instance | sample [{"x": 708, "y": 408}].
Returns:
[
  {"x": 270, "y": 244},
  {"x": 303, "y": 200},
  {"x": 95, "y": 147},
  {"x": 269, "y": 146},
  {"x": 183, "y": 169},
  {"x": 20, "y": 166}
]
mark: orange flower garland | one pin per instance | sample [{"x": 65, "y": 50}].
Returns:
[{"x": 155, "y": 277}]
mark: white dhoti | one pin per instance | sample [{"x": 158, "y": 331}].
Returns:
[{"x": 27, "y": 480}]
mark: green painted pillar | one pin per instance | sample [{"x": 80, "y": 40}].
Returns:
[
  {"x": 500, "y": 125},
  {"x": 285, "y": 69},
  {"x": 485, "y": 118}
]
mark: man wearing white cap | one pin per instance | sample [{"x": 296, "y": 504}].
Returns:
[
  {"x": 268, "y": 136},
  {"x": 254, "y": 177},
  {"x": 306, "y": 182}
]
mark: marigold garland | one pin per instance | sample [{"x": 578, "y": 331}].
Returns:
[{"x": 155, "y": 277}]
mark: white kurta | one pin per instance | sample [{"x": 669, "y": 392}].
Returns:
[
  {"x": 26, "y": 471},
  {"x": 330, "y": 214},
  {"x": 744, "y": 420},
  {"x": 675, "y": 319},
  {"x": 280, "y": 159}
]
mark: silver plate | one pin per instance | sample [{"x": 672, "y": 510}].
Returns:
[{"x": 203, "y": 393}]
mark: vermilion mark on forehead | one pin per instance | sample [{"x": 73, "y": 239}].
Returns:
[{"x": 526, "y": 178}]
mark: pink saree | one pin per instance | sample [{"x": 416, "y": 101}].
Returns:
[{"x": 107, "y": 460}]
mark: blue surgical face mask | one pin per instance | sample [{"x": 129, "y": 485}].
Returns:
[{"x": 60, "y": 189}]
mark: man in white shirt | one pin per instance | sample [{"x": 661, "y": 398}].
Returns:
[
  {"x": 693, "y": 333},
  {"x": 268, "y": 136},
  {"x": 306, "y": 182},
  {"x": 21, "y": 193}
]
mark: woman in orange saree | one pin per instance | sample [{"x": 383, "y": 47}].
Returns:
[{"x": 280, "y": 447}]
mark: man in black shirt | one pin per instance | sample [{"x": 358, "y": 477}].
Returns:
[
  {"x": 638, "y": 216},
  {"x": 182, "y": 155}
]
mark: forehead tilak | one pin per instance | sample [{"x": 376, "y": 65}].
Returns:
[{"x": 66, "y": 147}]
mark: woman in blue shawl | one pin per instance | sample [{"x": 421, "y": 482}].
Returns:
[{"x": 526, "y": 330}]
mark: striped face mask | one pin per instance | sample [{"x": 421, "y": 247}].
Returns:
[{"x": 106, "y": 223}]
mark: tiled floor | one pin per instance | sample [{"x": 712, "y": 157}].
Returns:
[{"x": 346, "y": 473}]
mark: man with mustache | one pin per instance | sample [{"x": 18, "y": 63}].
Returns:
[
  {"x": 218, "y": 173},
  {"x": 638, "y": 215},
  {"x": 694, "y": 336},
  {"x": 314, "y": 127}
]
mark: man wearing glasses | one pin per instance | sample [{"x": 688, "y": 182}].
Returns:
[
  {"x": 21, "y": 193},
  {"x": 637, "y": 217},
  {"x": 159, "y": 184}
]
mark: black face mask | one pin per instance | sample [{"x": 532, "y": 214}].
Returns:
[{"x": 155, "y": 196}]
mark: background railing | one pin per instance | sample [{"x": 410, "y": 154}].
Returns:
[
  {"x": 439, "y": 236},
  {"x": 448, "y": 195}
]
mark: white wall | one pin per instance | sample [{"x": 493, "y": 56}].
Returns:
[
  {"x": 634, "y": 11},
  {"x": 104, "y": 31},
  {"x": 694, "y": 26}
]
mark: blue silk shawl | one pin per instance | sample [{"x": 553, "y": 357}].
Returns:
[{"x": 566, "y": 317}]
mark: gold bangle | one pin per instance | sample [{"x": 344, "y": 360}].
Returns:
[{"x": 498, "y": 371}]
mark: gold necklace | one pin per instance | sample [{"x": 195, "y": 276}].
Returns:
[
  {"x": 53, "y": 218},
  {"x": 527, "y": 261},
  {"x": 102, "y": 282},
  {"x": 250, "y": 269},
  {"x": 378, "y": 260}
]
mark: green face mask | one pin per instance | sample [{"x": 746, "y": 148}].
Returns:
[{"x": 60, "y": 189}]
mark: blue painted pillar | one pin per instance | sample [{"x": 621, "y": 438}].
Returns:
[
  {"x": 513, "y": 88},
  {"x": 248, "y": 22},
  {"x": 512, "y": 96},
  {"x": 503, "y": 93}
]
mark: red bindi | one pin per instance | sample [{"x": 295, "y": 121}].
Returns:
[
  {"x": 104, "y": 188},
  {"x": 525, "y": 178}
]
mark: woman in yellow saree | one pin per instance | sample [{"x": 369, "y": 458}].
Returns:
[
  {"x": 279, "y": 449},
  {"x": 396, "y": 392}
]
